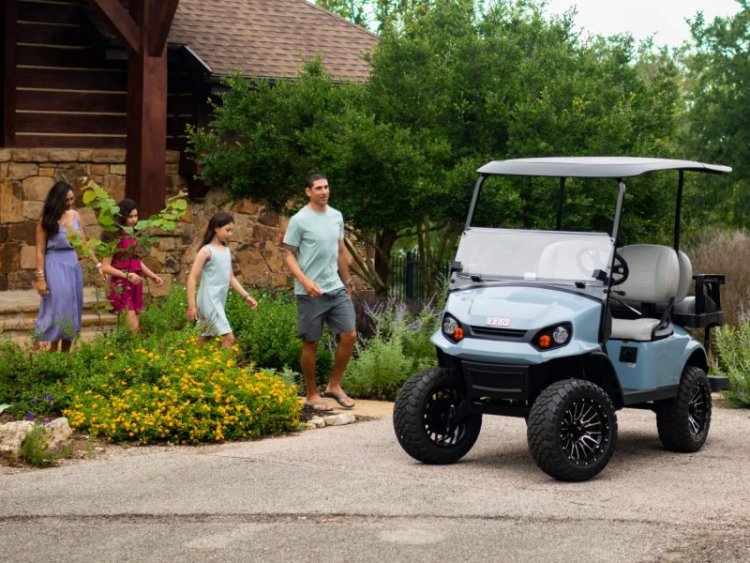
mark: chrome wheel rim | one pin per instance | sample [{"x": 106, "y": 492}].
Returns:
[
  {"x": 698, "y": 410},
  {"x": 584, "y": 431}
]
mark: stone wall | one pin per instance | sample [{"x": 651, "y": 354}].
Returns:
[{"x": 26, "y": 176}]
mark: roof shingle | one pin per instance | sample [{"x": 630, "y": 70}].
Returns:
[{"x": 271, "y": 38}]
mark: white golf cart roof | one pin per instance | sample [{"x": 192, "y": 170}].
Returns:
[{"x": 594, "y": 166}]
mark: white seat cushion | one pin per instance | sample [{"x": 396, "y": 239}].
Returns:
[
  {"x": 655, "y": 279},
  {"x": 634, "y": 329},
  {"x": 654, "y": 273}
]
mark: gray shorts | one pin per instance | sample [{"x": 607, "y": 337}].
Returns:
[{"x": 334, "y": 308}]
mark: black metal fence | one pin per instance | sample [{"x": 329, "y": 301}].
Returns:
[{"x": 406, "y": 277}]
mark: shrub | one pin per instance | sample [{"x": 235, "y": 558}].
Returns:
[
  {"x": 400, "y": 346},
  {"x": 151, "y": 386},
  {"x": 725, "y": 252},
  {"x": 268, "y": 334},
  {"x": 35, "y": 450},
  {"x": 733, "y": 345},
  {"x": 30, "y": 381},
  {"x": 167, "y": 315},
  {"x": 185, "y": 394}
]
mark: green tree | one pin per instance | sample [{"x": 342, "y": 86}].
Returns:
[
  {"x": 265, "y": 138},
  {"x": 379, "y": 15},
  {"x": 352, "y": 10},
  {"x": 718, "y": 98},
  {"x": 450, "y": 88}
]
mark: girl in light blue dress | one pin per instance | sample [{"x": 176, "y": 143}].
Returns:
[{"x": 213, "y": 264}]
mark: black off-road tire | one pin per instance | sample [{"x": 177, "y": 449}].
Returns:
[
  {"x": 683, "y": 422},
  {"x": 572, "y": 430},
  {"x": 424, "y": 417}
]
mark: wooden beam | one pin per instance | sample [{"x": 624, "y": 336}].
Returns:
[
  {"x": 10, "y": 25},
  {"x": 145, "y": 181},
  {"x": 162, "y": 14},
  {"x": 146, "y": 153},
  {"x": 124, "y": 25}
]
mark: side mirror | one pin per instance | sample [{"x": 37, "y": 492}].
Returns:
[{"x": 456, "y": 266}]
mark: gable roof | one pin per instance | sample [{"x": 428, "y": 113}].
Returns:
[{"x": 270, "y": 38}]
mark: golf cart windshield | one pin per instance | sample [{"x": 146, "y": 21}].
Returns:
[{"x": 550, "y": 256}]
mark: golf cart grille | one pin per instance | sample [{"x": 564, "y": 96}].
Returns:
[
  {"x": 497, "y": 333},
  {"x": 495, "y": 380}
]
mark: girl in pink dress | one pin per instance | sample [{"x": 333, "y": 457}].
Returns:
[{"x": 126, "y": 269}]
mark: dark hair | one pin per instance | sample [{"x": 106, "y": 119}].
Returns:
[
  {"x": 126, "y": 207},
  {"x": 54, "y": 207},
  {"x": 310, "y": 179},
  {"x": 219, "y": 219}
]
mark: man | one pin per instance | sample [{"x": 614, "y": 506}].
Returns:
[{"x": 315, "y": 254}]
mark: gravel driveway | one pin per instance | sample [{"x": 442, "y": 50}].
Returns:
[{"x": 350, "y": 494}]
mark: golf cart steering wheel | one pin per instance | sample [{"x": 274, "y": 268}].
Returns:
[{"x": 620, "y": 270}]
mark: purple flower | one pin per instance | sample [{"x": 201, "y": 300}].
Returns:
[{"x": 30, "y": 416}]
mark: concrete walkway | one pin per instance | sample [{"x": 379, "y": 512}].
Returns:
[{"x": 349, "y": 493}]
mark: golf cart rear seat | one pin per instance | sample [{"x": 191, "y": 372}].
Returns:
[
  {"x": 703, "y": 310},
  {"x": 649, "y": 293}
]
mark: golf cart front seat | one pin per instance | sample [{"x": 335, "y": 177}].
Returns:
[{"x": 652, "y": 288}]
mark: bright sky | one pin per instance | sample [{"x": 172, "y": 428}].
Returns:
[{"x": 664, "y": 19}]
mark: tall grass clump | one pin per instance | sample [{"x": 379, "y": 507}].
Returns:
[
  {"x": 399, "y": 346},
  {"x": 733, "y": 345},
  {"x": 725, "y": 252}
]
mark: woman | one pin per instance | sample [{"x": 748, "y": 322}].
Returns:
[{"x": 59, "y": 279}]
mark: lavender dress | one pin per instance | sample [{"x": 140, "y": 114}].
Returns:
[{"x": 60, "y": 311}]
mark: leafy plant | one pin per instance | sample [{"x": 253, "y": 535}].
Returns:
[
  {"x": 35, "y": 450},
  {"x": 268, "y": 334},
  {"x": 399, "y": 347},
  {"x": 187, "y": 393},
  {"x": 733, "y": 345},
  {"x": 106, "y": 211}
]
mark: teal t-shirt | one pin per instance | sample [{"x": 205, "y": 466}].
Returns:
[{"x": 316, "y": 234}]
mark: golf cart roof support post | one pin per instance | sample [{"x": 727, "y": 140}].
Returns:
[
  {"x": 678, "y": 211},
  {"x": 618, "y": 211},
  {"x": 560, "y": 198},
  {"x": 474, "y": 197}
]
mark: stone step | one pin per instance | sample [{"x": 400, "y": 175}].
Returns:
[
  {"x": 27, "y": 324},
  {"x": 15, "y": 302},
  {"x": 19, "y": 308}
]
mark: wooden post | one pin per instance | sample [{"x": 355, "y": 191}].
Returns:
[
  {"x": 147, "y": 118},
  {"x": 144, "y": 30},
  {"x": 8, "y": 119}
]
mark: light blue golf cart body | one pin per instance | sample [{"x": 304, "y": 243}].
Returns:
[{"x": 527, "y": 308}]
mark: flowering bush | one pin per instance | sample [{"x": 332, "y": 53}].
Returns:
[
  {"x": 187, "y": 394},
  {"x": 400, "y": 346}
]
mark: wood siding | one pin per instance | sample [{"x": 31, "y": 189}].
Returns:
[{"x": 67, "y": 94}]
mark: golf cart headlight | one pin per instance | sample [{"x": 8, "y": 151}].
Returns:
[
  {"x": 560, "y": 335},
  {"x": 452, "y": 328},
  {"x": 552, "y": 337}
]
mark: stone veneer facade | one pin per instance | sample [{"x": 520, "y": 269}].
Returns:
[{"x": 26, "y": 175}]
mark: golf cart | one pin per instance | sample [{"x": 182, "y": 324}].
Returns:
[{"x": 564, "y": 328}]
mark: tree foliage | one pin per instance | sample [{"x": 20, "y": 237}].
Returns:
[
  {"x": 450, "y": 89},
  {"x": 718, "y": 97}
]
